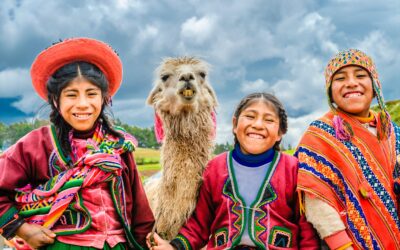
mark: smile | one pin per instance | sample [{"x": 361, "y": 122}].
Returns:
[
  {"x": 352, "y": 94},
  {"x": 81, "y": 116},
  {"x": 255, "y": 136}
]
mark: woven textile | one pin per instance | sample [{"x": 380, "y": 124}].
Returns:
[
  {"x": 355, "y": 177},
  {"x": 102, "y": 163}
]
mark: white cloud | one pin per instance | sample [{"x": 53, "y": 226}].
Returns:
[
  {"x": 128, "y": 112},
  {"x": 14, "y": 82},
  {"x": 17, "y": 83},
  {"x": 129, "y": 4},
  {"x": 297, "y": 126},
  {"x": 197, "y": 31},
  {"x": 239, "y": 39},
  {"x": 256, "y": 86},
  {"x": 379, "y": 47}
]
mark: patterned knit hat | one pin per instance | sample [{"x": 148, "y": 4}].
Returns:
[{"x": 357, "y": 58}]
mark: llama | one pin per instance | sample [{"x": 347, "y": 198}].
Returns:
[{"x": 184, "y": 103}]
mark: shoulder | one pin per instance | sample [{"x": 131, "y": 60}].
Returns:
[
  {"x": 288, "y": 159},
  {"x": 127, "y": 136},
  {"x": 217, "y": 165},
  {"x": 31, "y": 144},
  {"x": 288, "y": 163},
  {"x": 34, "y": 137}
]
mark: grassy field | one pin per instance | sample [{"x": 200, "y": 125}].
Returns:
[{"x": 148, "y": 161}]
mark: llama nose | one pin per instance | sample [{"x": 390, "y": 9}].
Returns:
[
  {"x": 186, "y": 77},
  {"x": 188, "y": 85}
]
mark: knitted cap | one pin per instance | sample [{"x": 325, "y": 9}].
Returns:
[
  {"x": 72, "y": 50},
  {"x": 357, "y": 58}
]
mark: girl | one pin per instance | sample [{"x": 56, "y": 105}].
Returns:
[
  {"x": 248, "y": 199},
  {"x": 347, "y": 161},
  {"x": 74, "y": 184}
]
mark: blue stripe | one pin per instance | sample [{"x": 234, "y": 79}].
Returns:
[
  {"x": 397, "y": 134},
  {"x": 338, "y": 191},
  {"x": 368, "y": 174}
]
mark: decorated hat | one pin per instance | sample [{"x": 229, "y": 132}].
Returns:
[
  {"x": 357, "y": 58},
  {"x": 73, "y": 50}
]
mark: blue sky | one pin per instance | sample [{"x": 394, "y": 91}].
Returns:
[{"x": 281, "y": 46}]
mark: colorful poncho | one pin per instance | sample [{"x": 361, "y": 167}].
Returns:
[
  {"x": 101, "y": 163},
  {"x": 355, "y": 177}
]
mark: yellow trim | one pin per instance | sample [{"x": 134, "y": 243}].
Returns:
[
  {"x": 370, "y": 117},
  {"x": 345, "y": 246},
  {"x": 302, "y": 208}
]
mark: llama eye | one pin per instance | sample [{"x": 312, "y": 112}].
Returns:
[
  {"x": 202, "y": 74},
  {"x": 164, "y": 77},
  {"x": 159, "y": 89}
]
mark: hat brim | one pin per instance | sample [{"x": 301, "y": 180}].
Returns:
[{"x": 76, "y": 49}]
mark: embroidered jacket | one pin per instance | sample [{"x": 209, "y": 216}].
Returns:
[
  {"x": 36, "y": 158},
  {"x": 355, "y": 177},
  {"x": 273, "y": 221}
]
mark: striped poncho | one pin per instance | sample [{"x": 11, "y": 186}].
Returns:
[{"x": 356, "y": 177}]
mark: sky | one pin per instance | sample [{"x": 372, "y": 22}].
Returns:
[{"x": 278, "y": 46}]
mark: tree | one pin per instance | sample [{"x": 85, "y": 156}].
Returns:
[
  {"x": 3, "y": 135},
  {"x": 219, "y": 148},
  {"x": 145, "y": 136}
]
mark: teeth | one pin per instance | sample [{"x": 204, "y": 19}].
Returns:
[
  {"x": 187, "y": 93},
  {"x": 353, "y": 94},
  {"x": 256, "y": 136},
  {"x": 81, "y": 115}
]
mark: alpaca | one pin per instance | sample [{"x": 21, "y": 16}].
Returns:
[{"x": 184, "y": 103}]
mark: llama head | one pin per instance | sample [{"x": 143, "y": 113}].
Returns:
[{"x": 181, "y": 85}]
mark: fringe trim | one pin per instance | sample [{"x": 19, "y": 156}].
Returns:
[{"x": 343, "y": 130}]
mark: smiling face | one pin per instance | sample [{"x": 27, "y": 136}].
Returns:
[
  {"x": 352, "y": 90},
  {"x": 80, "y": 104},
  {"x": 257, "y": 128}
]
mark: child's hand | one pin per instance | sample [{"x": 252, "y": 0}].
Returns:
[
  {"x": 36, "y": 236},
  {"x": 155, "y": 242}
]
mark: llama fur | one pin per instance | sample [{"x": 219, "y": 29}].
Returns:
[{"x": 184, "y": 100}]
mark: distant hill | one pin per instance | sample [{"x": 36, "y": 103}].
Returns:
[{"x": 393, "y": 108}]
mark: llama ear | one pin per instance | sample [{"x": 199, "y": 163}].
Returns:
[
  {"x": 213, "y": 96},
  {"x": 150, "y": 98}
]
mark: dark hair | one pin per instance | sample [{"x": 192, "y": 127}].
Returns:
[
  {"x": 59, "y": 80},
  {"x": 268, "y": 99}
]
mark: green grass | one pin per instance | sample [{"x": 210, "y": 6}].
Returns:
[
  {"x": 147, "y": 153},
  {"x": 393, "y": 107},
  {"x": 148, "y": 167},
  {"x": 290, "y": 151}
]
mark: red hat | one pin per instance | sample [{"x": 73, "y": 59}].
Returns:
[{"x": 76, "y": 49}]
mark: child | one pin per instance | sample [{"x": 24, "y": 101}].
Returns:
[
  {"x": 248, "y": 198},
  {"x": 78, "y": 186},
  {"x": 347, "y": 161}
]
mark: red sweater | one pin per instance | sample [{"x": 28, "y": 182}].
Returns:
[
  {"x": 32, "y": 160},
  {"x": 219, "y": 217}
]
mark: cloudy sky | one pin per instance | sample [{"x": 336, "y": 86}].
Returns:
[{"x": 280, "y": 46}]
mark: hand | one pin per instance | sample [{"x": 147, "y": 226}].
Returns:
[
  {"x": 155, "y": 242},
  {"x": 36, "y": 236}
]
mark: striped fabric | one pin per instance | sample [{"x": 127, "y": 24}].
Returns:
[
  {"x": 102, "y": 163},
  {"x": 355, "y": 177}
]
